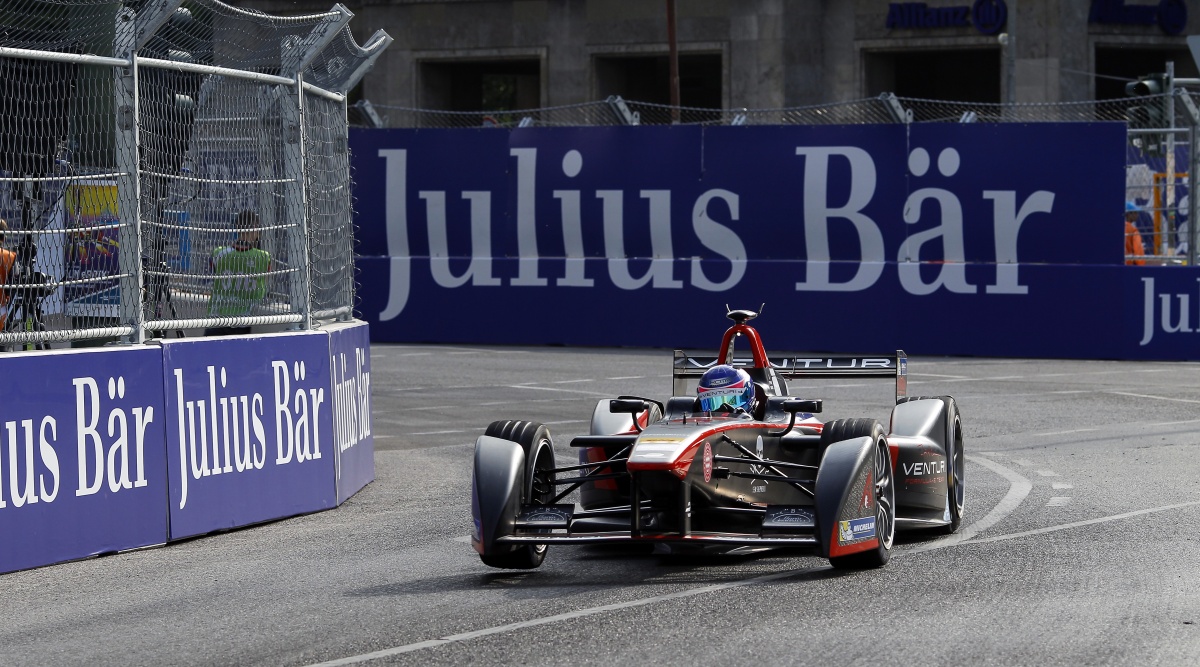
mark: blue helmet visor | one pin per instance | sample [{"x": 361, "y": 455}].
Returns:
[{"x": 712, "y": 399}]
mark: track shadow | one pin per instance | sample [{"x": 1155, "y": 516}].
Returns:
[
  {"x": 581, "y": 573},
  {"x": 918, "y": 535}
]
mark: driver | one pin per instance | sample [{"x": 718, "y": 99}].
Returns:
[
  {"x": 724, "y": 388},
  {"x": 7, "y": 259}
]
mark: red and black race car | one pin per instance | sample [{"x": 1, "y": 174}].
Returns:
[{"x": 773, "y": 475}]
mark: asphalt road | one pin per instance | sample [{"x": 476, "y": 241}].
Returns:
[{"x": 1081, "y": 543}]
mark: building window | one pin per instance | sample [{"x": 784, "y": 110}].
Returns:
[
  {"x": 966, "y": 75},
  {"x": 492, "y": 85},
  {"x": 646, "y": 78}
]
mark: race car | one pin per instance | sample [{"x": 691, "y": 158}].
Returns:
[{"x": 690, "y": 473}]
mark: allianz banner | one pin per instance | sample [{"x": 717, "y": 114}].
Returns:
[
  {"x": 986, "y": 239},
  {"x": 248, "y": 424},
  {"x": 83, "y": 467}
]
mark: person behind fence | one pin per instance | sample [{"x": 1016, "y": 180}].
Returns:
[
  {"x": 239, "y": 275},
  {"x": 1135, "y": 249},
  {"x": 8, "y": 259}
]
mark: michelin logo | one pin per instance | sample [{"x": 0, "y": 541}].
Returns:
[{"x": 856, "y": 529}]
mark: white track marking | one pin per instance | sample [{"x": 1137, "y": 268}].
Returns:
[
  {"x": 570, "y": 391},
  {"x": 448, "y": 349},
  {"x": 628, "y": 377},
  {"x": 1070, "y": 432},
  {"x": 989, "y": 379},
  {"x": 1088, "y": 522},
  {"x": 527, "y": 401},
  {"x": 558, "y": 618},
  {"x": 1058, "y": 501},
  {"x": 1019, "y": 487},
  {"x": 571, "y": 381},
  {"x": 476, "y": 430},
  {"x": 1189, "y": 421},
  {"x": 1062, "y": 485},
  {"x": 1048, "y": 473},
  {"x": 1161, "y": 398}
]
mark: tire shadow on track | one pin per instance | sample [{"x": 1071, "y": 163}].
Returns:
[{"x": 641, "y": 568}]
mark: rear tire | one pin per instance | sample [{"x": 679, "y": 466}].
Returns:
[
  {"x": 955, "y": 466},
  {"x": 534, "y": 440},
  {"x": 883, "y": 491}
]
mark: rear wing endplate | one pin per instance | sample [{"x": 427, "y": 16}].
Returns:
[{"x": 692, "y": 366}]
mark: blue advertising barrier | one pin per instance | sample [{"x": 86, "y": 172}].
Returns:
[
  {"x": 350, "y": 393},
  {"x": 248, "y": 429},
  {"x": 83, "y": 457},
  {"x": 971, "y": 239},
  {"x": 118, "y": 448}
]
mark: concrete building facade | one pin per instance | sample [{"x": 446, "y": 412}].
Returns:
[{"x": 478, "y": 55}]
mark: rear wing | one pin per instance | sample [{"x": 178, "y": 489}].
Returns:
[{"x": 692, "y": 366}]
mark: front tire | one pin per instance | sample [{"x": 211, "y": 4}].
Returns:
[
  {"x": 955, "y": 485},
  {"x": 534, "y": 440},
  {"x": 884, "y": 496},
  {"x": 955, "y": 462}
]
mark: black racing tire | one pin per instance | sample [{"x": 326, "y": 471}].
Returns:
[
  {"x": 844, "y": 429},
  {"x": 534, "y": 439},
  {"x": 883, "y": 489},
  {"x": 955, "y": 461},
  {"x": 955, "y": 467},
  {"x": 906, "y": 399}
]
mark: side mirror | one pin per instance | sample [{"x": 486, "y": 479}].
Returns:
[
  {"x": 632, "y": 406},
  {"x": 629, "y": 405},
  {"x": 792, "y": 406}
]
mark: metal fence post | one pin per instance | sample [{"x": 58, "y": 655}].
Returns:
[
  {"x": 295, "y": 202},
  {"x": 131, "y": 31},
  {"x": 1193, "y": 199},
  {"x": 1169, "y": 193},
  {"x": 1192, "y": 113},
  {"x": 125, "y": 103}
]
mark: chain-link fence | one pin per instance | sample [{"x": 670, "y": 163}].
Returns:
[
  {"x": 1159, "y": 153},
  {"x": 170, "y": 165}
]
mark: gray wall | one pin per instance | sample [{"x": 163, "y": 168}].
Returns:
[{"x": 774, "y": 52}]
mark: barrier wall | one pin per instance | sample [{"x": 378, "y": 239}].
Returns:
[
  {"x": 966, "y": 239},
  {"x": 116, "y": 448}
]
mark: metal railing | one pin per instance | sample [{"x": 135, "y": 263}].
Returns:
[{"x": 170, "y": 165}]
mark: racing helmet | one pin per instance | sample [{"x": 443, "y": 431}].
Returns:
[{"x": 725, "y": 385}]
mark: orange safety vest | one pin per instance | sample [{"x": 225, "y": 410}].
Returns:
[
  {"x": 1133, "y": 244},
  {"x": 7, "y": 259}
]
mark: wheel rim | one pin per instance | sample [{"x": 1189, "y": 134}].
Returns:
[
  {"x": 541, "y": 492},
  {"x": 957, "y": 469},
  {"x": 885, "y": 497}
]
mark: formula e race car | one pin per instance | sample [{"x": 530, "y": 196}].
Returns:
[{"x": 687, "y": 475}]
